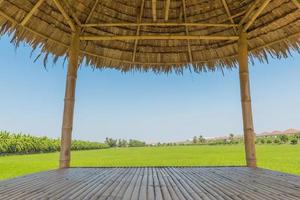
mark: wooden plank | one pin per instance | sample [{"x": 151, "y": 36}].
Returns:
[{"x": 164, "y": 183}]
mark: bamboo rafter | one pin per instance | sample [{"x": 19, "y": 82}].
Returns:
[
  {"x": 138, "y": 29},
  {"x": 249, "y": 11},
  {"x": 124, "y": 24},
  {"x": 167, "y": 9},
  {"x": 296, "y": 2},
  {"x": 91, "y": 12},
  {"x": 154, "y": 16},
  {"x": 90, "y": 15},
  {"x": 65, "y": 14},
  {"x": 31, "y": 12},
  {"x": 187, "y": 31},
  {"x": 157, "y": 37},
  {"x": 229, "y": 14},
  {"x": 72, "y": 13},
  {"x": 255, "y": 15}
]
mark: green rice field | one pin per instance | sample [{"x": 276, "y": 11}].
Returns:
[{"x": 284, "y": 158}]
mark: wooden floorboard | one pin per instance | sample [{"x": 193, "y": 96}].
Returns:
[{"x": 154, "y": 183}]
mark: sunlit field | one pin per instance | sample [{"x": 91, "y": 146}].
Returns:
[{"x": 284, "y": 158}]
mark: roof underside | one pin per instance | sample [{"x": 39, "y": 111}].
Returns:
[{"x": 157, "y": 35}]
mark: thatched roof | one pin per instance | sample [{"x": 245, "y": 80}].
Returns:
[{"x": 200, "y": 34}]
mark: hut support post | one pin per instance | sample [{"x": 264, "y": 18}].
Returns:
[
  {"x": 249, "y": 135},
  {"x": 67, "y": 125}
]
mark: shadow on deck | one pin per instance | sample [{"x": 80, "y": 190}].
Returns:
[{"x": 163, "y": 183}]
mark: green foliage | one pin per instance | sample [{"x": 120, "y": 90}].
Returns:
[
  {"x": 122, "y": 143},
  {"x": 136, "y": 143},
  {"x": 269, "y": 141},
  {"x": 111, "y": 142},
  {"x": 276, "y": 141},
  {"x": 195, "y": 140},
  {"x": 283, "y": 138},
  {"x": 26, "y": 144},
  {"x": 294, "y": 141}
]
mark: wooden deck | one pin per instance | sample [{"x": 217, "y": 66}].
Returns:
[{"x": 159, "y": 183}]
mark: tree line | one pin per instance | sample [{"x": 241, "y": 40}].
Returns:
[
  {"x": 124, "y": 143},
  {"x": 232, "y": 139},
  {"x": 25, "y": 144}
]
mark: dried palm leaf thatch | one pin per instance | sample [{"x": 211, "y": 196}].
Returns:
[{"x": 137, "y": 35}]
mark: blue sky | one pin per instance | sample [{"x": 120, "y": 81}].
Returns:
[{"x": 144, "y": 106}]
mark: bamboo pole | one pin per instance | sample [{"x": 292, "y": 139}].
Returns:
[
  {"x": 65, "y": 14},
  {"x": 31, "y": 12},
  {"x": 167, "y": 9},
  {"x": 154, "y": 10},
  {"x": 297, "y": 3},
  {"x": 249, "y": 135},
  {"x": 256, "y": 14},
  {"x": 163, "y": 24},
  {"x": 157, "y": 37},
  {"x": 66, "y": 136}
]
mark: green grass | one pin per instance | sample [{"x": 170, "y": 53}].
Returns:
[{"x": 283, "y": 158}]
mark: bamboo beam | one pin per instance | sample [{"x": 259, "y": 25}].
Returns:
[
  {"x": 31, "y": 12},
  {"x": 72, "y": 13},
  {"x": 167, "y": 9},
  {"x": 158, "y": 37},
  {"x": 187, "y": 32},
  {"x": 67, "y": 125},
  {"x": 159, "y": 24},
  {"x": 64, "y": 13},
  {"x": 296, "y": 2},
  {"x": 138, "y": 30},
  {"x": 91, "y": 12},
  {"x": 256, "y": 14},
  {"x": 154, "y": 10},
  {"x": 90, "y": 15},
  {"x": 249, "y": 135},
  {"x": 229, "y": 14},
  {"x": 248, "y": 12}
]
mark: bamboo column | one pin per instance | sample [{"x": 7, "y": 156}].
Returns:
[
  {"x": 67, "y": 124},
  {"x": 249, "y": 135}
]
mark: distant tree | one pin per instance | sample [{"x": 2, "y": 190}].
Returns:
[
  {"x": 294, "y": 141},
  {"x": 136, "y": 143},
  {"x": 122, "y": 143},
  {"x": 111, "y": 142},
  {"x": 276, "y": 141},
  {"x": 284, "y": 138},
  {"x": 201, "y": 139},
  {"x": 231, "y": 136},
  {"x": 195, "y": 140},
  {"x": 262, "y": 141},
  {"x": 269, "y": 141}
]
